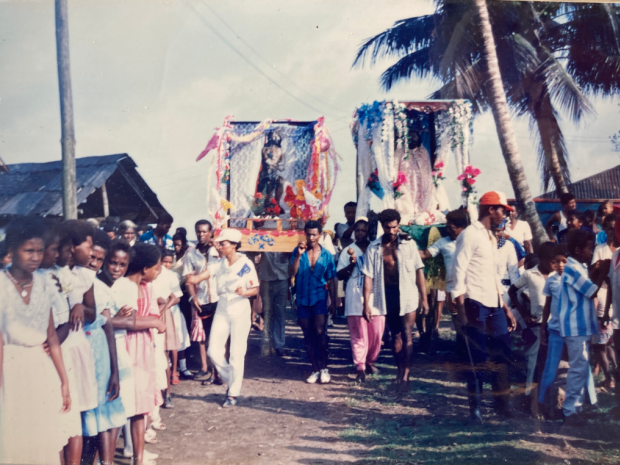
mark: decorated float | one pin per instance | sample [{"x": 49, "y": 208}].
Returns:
[
  {"x": 268, "y": 178},
  {"x": 403, "y": 153}
]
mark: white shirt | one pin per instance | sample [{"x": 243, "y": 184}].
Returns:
[
  {"x": 354, "y": 293},
  {"x": 229, "y": 277},
  {"x": 83, "y": 279},
  {"x": 614, "y": 280},
  {"x": 446, "y": 247},
  {"x": 474, "y": 269},
  {"x": 206, "y": 291},
  {"x": 535, "y": 281},
  {"x": 104, "y": 298},
  {"x": 521, "y": 233},
  {"x": 553, "y": 289},
  {"x": 167, "y": 283},
  {"x": 507, "y": 265}
]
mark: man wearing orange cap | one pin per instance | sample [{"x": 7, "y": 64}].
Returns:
[{"x": 477, "y": 289}]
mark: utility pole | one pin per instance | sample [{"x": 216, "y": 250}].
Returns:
[{"x": 67, "y": 139}]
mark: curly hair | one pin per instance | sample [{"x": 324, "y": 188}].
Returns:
[
  {"x": 22, "y": 229},
  {"x": 388, "y": 215},
  {"x": 144, "y": 256}
]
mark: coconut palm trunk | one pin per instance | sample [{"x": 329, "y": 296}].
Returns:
[{"x": 507, "y": 139}]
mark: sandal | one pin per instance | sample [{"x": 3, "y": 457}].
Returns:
[
  {"x": 150, "y": 436},
  {"x": 158, "y": 426},
  {"x": 175, "y": 379},
  {"x": 212, "y": 381}
]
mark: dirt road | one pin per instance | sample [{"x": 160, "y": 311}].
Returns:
[{"x": 282, "y": 420}]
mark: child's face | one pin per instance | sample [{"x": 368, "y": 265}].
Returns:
[
  {"x": 97, "y": 258},
  {"x": 117, "y": 265},
  {"x": 571, "y": 205},
  {"x": 584, "y": 254},
  {"x": 573, "y": 222},
  {"x": 64, "y": 254},
  {"x": 559, "y": 262},
  {"x": 28, "y": 255},
  {"x": 151, "y": 274},
  {"x": 167, "y": 262},
  {"x": 50, "y": 255},
  {"x": 82, "y": 253}
]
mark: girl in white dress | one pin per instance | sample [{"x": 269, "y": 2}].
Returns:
[{"x": 34, "y": 389}]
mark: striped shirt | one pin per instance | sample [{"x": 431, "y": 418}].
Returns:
[
  {"x": 409, "y": 262},
  {"x": 576, "y": 305},
  {"x": 312, "y": 284}
]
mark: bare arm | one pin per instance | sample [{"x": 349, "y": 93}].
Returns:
[
  {"x": 367, "y": 293},
  {"x": 114, "y": 384},
  {"x": 197, "y": 278},
  {"x": 56, "y": 354},
  {"x": 294, "y": 267},
  {"x": 420, "y": 281},
  {"x": 85, "y": 311},
  {"x": 607, "y": 316},
  {"x": 345, "y": 272},
  {"x": 333, "y": 295},
  {"x": 527, "y": 245},
  {"x": 425, "y": 254},
  {"x": 545, "y": 319},
  {"x": 555, "y": 218},
  {"x": 514, "y": 300}
]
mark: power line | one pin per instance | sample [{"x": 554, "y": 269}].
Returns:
[
  {"x": 267, "y": 63},
  {"x": 244, "y": 58}
]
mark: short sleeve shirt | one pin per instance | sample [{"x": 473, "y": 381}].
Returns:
[
  {"x": 83, "y": 280},
  {"x": 446, "y": 247},
  {"x": 354, "y": 293},
  {"x": 576, "y": 306},
  {"x": 230, "y": 277},
  {"x": 521, "y": 233},
  {"x": 150, "y": 238},
  {"x": 311, "y": 284},
  {"x": 196, "y": 262},
  {"x": 167, "y": 283},
  {"x": 534, "y": 281},
  {"x": 273, "y": 266}
]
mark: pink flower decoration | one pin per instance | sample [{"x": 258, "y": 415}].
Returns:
[
  {"x": 468, "y": 169},
  {"x": 439, "y": 165},
  {"x": 440, "y": 174},
  {"x": 464, "y": 189},
  {"x": 434, "y": 173},
  {"x": 471, "y": 181},
  {"x": 476, "y": 172},
  {"x": 461, "y": 177}
]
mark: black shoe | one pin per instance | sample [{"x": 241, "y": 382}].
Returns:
[
  {"x": 201, "y": 375},
  {"x": 575, "y": 420},
  {"x": 168, "y": 402},
  {"x": 475, "y": 417},
  {"x": 361, "y": 377},
  {"x": 280, "y": 352}
]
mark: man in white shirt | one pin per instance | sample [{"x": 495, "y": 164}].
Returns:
[
  {"x": 477, "y": 289},
  {"x": 203, "y": 296},
  {"x": 456, "y": 222},
  {"x": 394, "y": 284}
]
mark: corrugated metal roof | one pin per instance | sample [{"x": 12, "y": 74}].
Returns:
[
  {"x": 604, "y": 185},
  {"x": 36, "y": 188}
]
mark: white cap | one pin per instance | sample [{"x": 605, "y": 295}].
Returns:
[{"x": 230, "y": 235}]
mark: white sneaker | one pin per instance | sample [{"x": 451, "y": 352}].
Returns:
[
  {"x": 325, "y": 378},
  {"x": 149, "y": 455},
  {"x": 314, "y": 377}
]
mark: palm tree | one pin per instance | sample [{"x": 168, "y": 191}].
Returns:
[
  {"x": 501, "y": 114},
  {"x": 550, "y": 55}
]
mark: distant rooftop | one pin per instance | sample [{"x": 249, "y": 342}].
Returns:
[{"x": 601, "y": 186}]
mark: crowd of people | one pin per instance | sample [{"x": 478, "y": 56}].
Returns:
[{"x": 96, "y": 321}]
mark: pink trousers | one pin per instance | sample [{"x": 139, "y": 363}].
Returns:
[{"x": 365, "y": 339}]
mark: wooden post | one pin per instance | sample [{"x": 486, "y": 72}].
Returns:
[
  {"x": 104, "y": 197},
  {"x": 67, "y": 140}
]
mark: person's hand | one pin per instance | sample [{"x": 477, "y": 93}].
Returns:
[
  {"x": 302, "y": 247},
  {"x": 114, "y": 387},
  {"x": 124, "y": 312},
  {"x": 76, "y": 317},
  {"x": 66, "y": 398},
  {"x": 161, "y": 327},
  {"x": 512, "y": 322},
  {"x": 600, "y": 270},
  {"x": 46, "y": 348},
  {"x": 240, "y": 291},
  {"x": 367, "y": 313},
  {"x": 196, "y": 305},
  {"x": 424, "y": 307},
  {"x": 544, "y": 336},
  {"x": 530, "y": 320}
]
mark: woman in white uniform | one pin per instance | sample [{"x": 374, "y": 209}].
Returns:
[{"x": 236, "y": 283}]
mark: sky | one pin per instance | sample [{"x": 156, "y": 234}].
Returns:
[{"x": 155, "y": 78}]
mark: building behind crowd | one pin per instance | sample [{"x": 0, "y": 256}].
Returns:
[{"x": 107, "y": 185}]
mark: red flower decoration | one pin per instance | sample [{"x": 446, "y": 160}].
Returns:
[
  {"x": 471, "y": 181},
  {"x": 274, "y": 201},
  {"x": 259, "y": 195}
]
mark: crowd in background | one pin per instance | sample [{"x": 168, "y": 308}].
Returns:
[{"x": 97, "y": 321}]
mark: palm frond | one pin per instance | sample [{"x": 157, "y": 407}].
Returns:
[
  {"x": 404, "y": 37},
  {"x": 414, "y": 64}
]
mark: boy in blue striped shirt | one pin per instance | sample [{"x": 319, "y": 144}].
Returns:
[{"x": 577, "y": 315}]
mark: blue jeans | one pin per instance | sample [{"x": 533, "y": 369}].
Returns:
[
  {"x": 489, "y": 343},
  {"x": 555, "y": 346}
]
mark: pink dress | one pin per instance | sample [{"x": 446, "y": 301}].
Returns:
[{"x": 140, "y": 346}]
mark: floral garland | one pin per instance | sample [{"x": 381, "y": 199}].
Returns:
[
  {"x": 401, "y": 179},
  {"x": 297, "y": 201},
  {"x": 468, "y": 179},
  {"x": 402, "y": 129},
  {"x": 438, "y": 173},
  {"x": 459, "y": 114}
]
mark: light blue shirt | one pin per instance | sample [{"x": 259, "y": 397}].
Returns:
[
  {"x": 553, "y": 287},
  {"x": 576, "y": 305}
]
